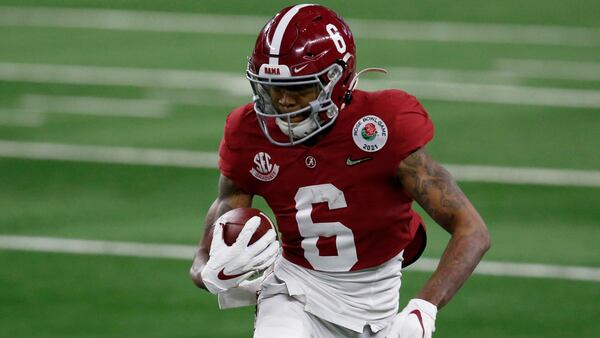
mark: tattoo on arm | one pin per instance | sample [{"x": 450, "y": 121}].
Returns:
[{"x": 430, "y": 185}]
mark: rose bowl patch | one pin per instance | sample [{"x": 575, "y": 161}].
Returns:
[{"x": 370, "y": 133}]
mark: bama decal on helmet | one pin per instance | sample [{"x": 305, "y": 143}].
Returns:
[
  {"x": 370, "y": 133},
  {"x": 263, "y": 169},
  {"x": 274, "y": 70}
]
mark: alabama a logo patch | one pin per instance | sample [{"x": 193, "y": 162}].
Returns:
[
  {"x": 370, "y": 133},
  {"x": 263, "y": 169}
]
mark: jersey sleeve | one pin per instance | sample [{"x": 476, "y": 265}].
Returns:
[
  {"x": 226, "y": 150},
  {"x": 231, "y": 152},
  {"x": 413, "y": 128}
]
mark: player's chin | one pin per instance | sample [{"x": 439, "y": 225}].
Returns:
[{"x": 298, "y": 118}]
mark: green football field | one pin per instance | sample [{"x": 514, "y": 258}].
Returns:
[{"x": 111, "y": 113}]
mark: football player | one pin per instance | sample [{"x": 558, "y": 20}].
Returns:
[{"x": 340, "y": 168}]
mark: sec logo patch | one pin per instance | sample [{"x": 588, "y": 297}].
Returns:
[
  {"x": 370, "y": 133},
  {"x": 263, "y": 169}
]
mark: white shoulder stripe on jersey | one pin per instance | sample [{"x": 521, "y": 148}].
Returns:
[{"x": 280, "y": 30}]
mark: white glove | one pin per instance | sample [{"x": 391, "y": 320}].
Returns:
[
  {"x": 416, "y": 320},
  {"x": 228, "y": 266},
  {"x": 245, "y": 294}
]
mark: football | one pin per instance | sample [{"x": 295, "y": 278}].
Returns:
[{"x": 233, "y": 221}]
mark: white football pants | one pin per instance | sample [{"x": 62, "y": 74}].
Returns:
[{"x": 282, "y": 316}]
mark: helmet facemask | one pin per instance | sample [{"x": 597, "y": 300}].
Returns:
[{"x": 318, "y": 114}]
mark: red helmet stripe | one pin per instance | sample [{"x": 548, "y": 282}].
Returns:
[{"x": 280, "y": 30}]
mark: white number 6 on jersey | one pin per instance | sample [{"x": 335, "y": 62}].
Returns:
[{"x": 305, "y": 198}]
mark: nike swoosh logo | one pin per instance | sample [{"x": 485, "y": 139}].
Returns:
[
  {"x": 350, "y": 161},
  {"x": 299, "y": 69},
  {"x": 418, "y": 314},
  {"x": 223, "y": 276}
]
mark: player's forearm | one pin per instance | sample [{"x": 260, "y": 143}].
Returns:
[
  {"x": 463, "y": 252},
  {"x": 230, "y": 197},
  {"x": 218, "y": 208},
  {"x": 435, "y": 190},
  {"x": 202, "y": 253},
  {"x": 197, "y": 266}
]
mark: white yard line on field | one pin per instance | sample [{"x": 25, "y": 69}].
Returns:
[
  {"x": 581, "y": 273},
  {"x": 196, "y": 159},
  {"x": 196, "y": 97},
  {"x": 186, "y": 252},
  {"x": 116, "y": 155},
  {"x": 123, "y": 76},
  {"x": 130, "y": 20},
  {"x": 512, "y": 175},
  {"x": 250, "y": 25},
  {"x": 551, "y": 69},
  {"x": 486, "y": 93},
  {"x": 100, "y": 106},
  {"x": 20, "y": 118},
  {"x": 453, "y": 75},
  {"x": 489, "y": 33},
  {"x": 78, "y": 246},
  {"x": 236, "y": 84}
]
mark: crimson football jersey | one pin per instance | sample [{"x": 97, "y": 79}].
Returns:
[{"x": 337, "y": 203}]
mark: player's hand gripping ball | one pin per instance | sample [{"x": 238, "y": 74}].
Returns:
[
  {"x": 234, "y": 220},
  {"x": 243, "y": 243}
]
